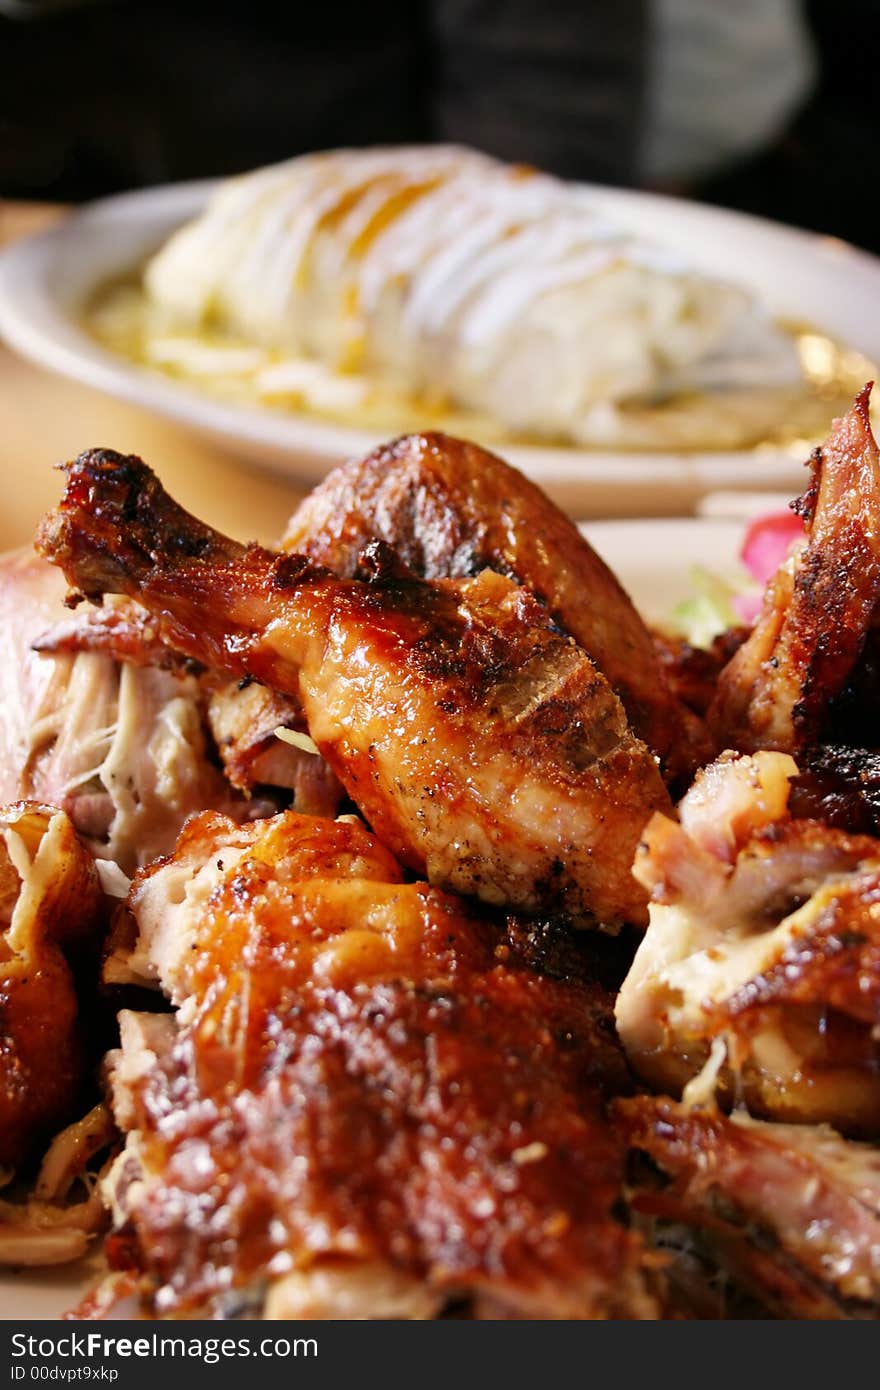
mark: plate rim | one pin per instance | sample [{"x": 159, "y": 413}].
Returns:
[{"x": 37, "y": 322}]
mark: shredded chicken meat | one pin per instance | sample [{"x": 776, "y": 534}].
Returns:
[{"x": 116, "y": 742}]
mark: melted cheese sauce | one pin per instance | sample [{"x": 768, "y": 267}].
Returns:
[{"x": 122, "y": 318}]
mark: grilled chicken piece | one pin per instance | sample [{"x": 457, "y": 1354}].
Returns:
[
  {"x": 762, "y": 959},
  {"x": 366, "y": 1103},
  {"x": 450, "y": 509},
  {"x": 778, "y": 689},
  {"x": 792, "y": 1212},
  {"x": 484, "y": 747},
  {"x": 51, "y": 904}
]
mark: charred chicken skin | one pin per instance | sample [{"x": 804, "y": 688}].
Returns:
[
  {"x": 483, "y": 746},
  {"x": 450, "y": 510},
  {"x": 366, "y": 1104},
  {"x": 778, "y": 690}
]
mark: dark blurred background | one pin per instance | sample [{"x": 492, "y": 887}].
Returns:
[{"x": 764, "y": 105}]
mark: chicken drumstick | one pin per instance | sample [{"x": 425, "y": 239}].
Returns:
[{"x": 484, "y": 747}]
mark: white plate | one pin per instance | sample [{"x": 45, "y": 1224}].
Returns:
[
  {"x": 818, "y": 280},
  {"x": 653, "y": 560}
]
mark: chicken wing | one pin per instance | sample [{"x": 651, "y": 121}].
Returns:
[
  {"x": 450, "y": 510},
  {"x": 778, "y": 689},
  {"x": 759, "y": 974},
  {"x": 483, "y": 746},
  {"x": 366, "y": 1104}
]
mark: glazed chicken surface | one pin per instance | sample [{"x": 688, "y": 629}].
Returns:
[
  {"x": 483, "y": 746},
  {"x": 449, "y": 510},
  {"x": 367, "y": 1103},
  {"x": 53, "y": 915}
]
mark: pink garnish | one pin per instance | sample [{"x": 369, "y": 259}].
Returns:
[
  {"x": 767, "y": 542},
  {"x": 747, "y": 606}
]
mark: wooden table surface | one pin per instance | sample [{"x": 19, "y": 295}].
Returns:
[{"x": 45, "y": 419}]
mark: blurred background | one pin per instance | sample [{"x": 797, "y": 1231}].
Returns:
[{"x": 763, "y": 105}]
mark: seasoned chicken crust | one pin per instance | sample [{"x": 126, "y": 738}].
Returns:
[{"x": 361, "y": 1075}]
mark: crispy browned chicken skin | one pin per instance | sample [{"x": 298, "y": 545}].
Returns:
[
  {"x": 50, "y": 903},
  {"x": 366, "y": 1101},
  {"x": 483, "y": 746},
  {"x": 450, "y": 509},
  {"x": 777, "y": 690}
]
